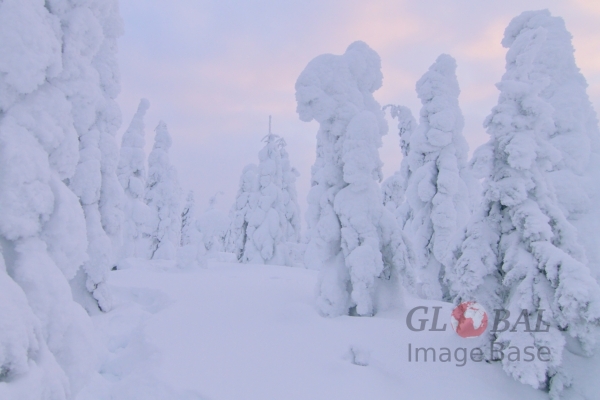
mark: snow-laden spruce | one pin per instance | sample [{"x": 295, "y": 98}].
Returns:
[
  {"x": 48, "y": 345},
  {"x": 213, "y": 225},
  {"x": 273, "y": 220},
  {"x": 90, "y": 80},
  {"x": 438, "y": 181},
  {"x": 265, "y": 235},
  {"x": 246, "y": 200},
  {"x": 163, "y": 196},
  {"x": 132, "y": 176},
  {"x": 192, "y": 250},
  {"x": 521, "y": 252},
  {"x": 350, "y": 232},
  {"x": 289, "y": 195},
  {"x": 576, "y": 177},
  {"x": 109, "y": 120},
  {"x": 188, "y": 220},
  {"x": 265, "y": 216},
  {"x": 393, "y": 188}
]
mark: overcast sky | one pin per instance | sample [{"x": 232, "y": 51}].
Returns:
[{"x": 214, "y": 70}]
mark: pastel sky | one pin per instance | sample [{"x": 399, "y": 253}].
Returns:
[{"x": 214, "y": 70}]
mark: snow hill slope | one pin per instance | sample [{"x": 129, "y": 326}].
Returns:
[{"x": 240, "y": 331}]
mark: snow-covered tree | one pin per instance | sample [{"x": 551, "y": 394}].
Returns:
[
  {"x": 47, "y": 340},
  {"x": 576, "y": 177},
  {"x": 350, "y": 232},
  {"x": 438, "y": 180},
  {"x": 192, "y": 251},
  {"x": 521, "y": 252},
  {"x": 213, "y": 225},
  {"x": 163, "y": 196},
  {"x": 394, "y": 187},
  {"x": 289, "y": 196},
  {"x": 131, "y": 172},
  {"x": 266, "y": 221},
  {"x": 188, "y": 217},
  {"x": 25, "y": 354},
  {"x": 109, "y": 120},
  {"x": 265, "y": 215},
  {"x": 246, "y": 200},
  {"x": 90, "y": 81}
]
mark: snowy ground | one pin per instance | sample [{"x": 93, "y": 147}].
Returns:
[{"x": 235, "y": 331}]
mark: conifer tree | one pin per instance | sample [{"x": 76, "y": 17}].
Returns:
[
  {"x": 438, "y": 180},
  {"x": 394, "y": 187},
  {"x": 213, "y": 225},
  {"x": 192, "y": 251},
  {"x": 265, "y": 232},
  {"x": 109, "y": 120},
  {"x": 265, "y": 219},
  {"x": 89, "y": 79},
  {"x": 163, "y": 196},
  {"x": 188, "y": 216},
  {"x": 131, "y": 172},
  {"x": 49, "y": 95},
  {"x": 521, "y": 253},
  {"x": 576, "y": 177},
  {"x": 353, "y": 239},
  {"x": 246, "y": 200},
  {"x": 289, "y": 196}
]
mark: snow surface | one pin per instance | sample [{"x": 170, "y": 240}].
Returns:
[{"x": 245, "y": 331}]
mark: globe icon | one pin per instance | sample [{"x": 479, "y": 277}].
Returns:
[{"x": 469, "y": 319}]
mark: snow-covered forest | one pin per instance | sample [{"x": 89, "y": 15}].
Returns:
[{"x": 117, "y": 283}]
